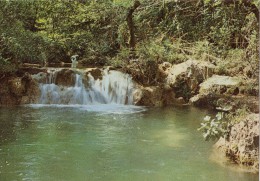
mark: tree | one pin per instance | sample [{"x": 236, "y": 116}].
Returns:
[{"x": 131, "y": 26}]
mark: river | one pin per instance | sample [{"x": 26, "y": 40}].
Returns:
[{"x": 107, "y": 142}]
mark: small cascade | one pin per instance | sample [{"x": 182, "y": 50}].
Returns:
[{"x": 113, "y": 88}]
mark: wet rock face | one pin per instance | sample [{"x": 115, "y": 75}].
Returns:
[
  {"x": 65, "y": 77},
  {"x": 32, "y": 91},
  {"x": 18, "y": 90},
  {"x": 242, "y": 145},
  {"x": 149, "y": 96},
  {"x": 40, "y": 77},
  {"x": 95, "y": 72},
  {"x": 16, "y": 86},
  {"x": 155, "y": 96}
]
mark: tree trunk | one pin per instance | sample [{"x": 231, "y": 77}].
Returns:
[{"x": 130, "y": 24}]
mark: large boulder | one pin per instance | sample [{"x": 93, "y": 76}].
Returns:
[
  {"x": 16, "y": 86},
  {"x": 149, "y": 96},
  {"x": 7, "y": 95},
  {"x": 155, "y": 96},
  {"x": 213, "y": 89},
  {"x": 96, "y": 73},
  {"x": 223, "y": 93},
  {"x": 242, "y": 144},
  {"x": 185, "y": 77},
  {"x": 169, "y": 84},
  {"x": 65, "y": 77},
  {"x": 16, "y": 90},
  {"x": 221, "y": 85}
]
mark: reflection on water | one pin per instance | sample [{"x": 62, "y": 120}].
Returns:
[{"x": 106, "y": 143}]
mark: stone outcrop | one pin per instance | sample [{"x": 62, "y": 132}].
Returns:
[
  {"x": 184, "y": 78},
  {"x": 214, "y": 88},
  {"x": 223, "y": 93},
  {"x": 171, "y": 84},
  {"x": 95, "y": 72},
  {"x": 156, "y": 96},
  {"x": 221, "y": 85},
  {"x": 242, "y": 144},
  {"x": 16, "y": 90},
  {"x": 40, "y": 77},
  {"x": 65, "y": 77}
]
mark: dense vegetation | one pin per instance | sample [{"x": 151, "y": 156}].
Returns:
[{"x": 112, "y": 32}]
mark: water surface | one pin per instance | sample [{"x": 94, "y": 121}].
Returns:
[{"x": 108, "y": 143}]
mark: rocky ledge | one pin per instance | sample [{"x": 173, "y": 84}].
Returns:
[
  {"x": 18, "y": 89},
  {"x": 241, "y": 146}
]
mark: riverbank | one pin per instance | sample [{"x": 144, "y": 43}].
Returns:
[{"x": 192, "y": 82}]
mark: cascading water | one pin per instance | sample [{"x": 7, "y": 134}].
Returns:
[{"x": 114, "y": 88}]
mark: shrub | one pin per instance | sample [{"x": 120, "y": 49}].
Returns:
[
  {"x": 213, "y": 128},
  {"x": 220, "y": 125}
]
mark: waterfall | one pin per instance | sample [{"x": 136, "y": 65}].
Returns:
[{"x": 113, "y": 88}]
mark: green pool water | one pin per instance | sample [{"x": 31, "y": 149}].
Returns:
[{"x": 108, "y": 143}]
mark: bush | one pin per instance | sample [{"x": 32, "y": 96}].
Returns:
[
  {"x": 214, "y": 128},
  {"x": 19, "y": 45},
  {"x": 6, "y": 66},
  {"x": 161, "y": 51},
  {"x": 220, "y": 125},
  {"x": 121, "y": 59}
]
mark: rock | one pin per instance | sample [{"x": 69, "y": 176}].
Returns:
[
  {"x": 181, "y": 80},
  {"x": 16, "y": 87},
  {"x": 32, "y": 70},
  {"x": 180, "y": 100},
  {"x": 65, "y": 77},
  {"x": 32, "y": 90},
  {"x": 156, "y": 96},
  {"x": 163, "y": 71},
  {"x": 242, "y": 144},
  {"x": 225, "y": 103},
  {"x": 247, "y": 71},
  {"x": 18, "y": 90},
  {"x": 40, "y": 77},
  {"x": 95, "y": 72},
  {"x": 206, "y": 100},
  {"x": 220, "y": 84},
  {"x": 190, "y": 69},
  {"x": 137, "y": 96},
  {"x": 149, "y": 96},
  {"x": 185, "y": 77},
  {"x": 213, "y": 89},
  {"x": 222, "y": 93},
  {"x": 168, "y": 98}
]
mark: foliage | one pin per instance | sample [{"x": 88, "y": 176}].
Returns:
[
  {"x": 161, "y": 51},
  {"x": 173, "y": 31},
  {"x": 121, "y": 59},
  {"x": 213, "y": 128},
  {"x": 239, "y": 115},
  {"x": 219, "y": 126},
  {"x": 6, "y": 66}
]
